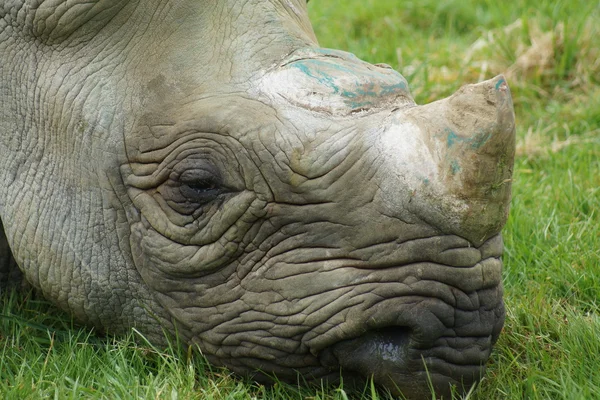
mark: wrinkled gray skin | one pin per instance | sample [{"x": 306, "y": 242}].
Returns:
[{"x": 206, "y": 167}]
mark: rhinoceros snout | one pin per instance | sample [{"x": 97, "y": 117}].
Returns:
[
  {"x": 415, "y": 343},
  {"x": 394, "y": 358}
]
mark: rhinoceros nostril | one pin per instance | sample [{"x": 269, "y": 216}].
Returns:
[
  {"x": 392, "y": 357},
  {"x": 383, "y": 349}
]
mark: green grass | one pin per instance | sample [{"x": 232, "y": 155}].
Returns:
[{"x": 550, "y": 346}]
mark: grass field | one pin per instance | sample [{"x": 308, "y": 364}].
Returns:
[{"x": 550, "y": 347}]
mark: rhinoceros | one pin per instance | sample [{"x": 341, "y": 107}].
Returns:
[{"x": 205, "y": 168}]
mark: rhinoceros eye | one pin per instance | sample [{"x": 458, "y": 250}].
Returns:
[
  {"x": 200, "y": 186},
  {"x": 203, "y": 185}
]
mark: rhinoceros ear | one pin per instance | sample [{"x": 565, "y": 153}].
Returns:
[{"x": 52, "y": 21}]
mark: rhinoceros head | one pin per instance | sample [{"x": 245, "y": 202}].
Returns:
[{"x": 205, "y": 168}]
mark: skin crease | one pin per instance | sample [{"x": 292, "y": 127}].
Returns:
[{"x": 205, "y": 167}]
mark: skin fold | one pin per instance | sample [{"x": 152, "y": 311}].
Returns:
[{"x": 205, "y": 168}]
